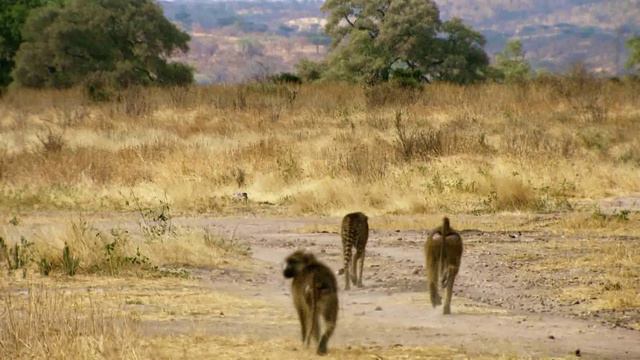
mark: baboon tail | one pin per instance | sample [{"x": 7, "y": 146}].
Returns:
[{"x": 446, "y": 227}]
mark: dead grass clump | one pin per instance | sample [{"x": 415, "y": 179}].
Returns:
[
  {"x": 85, "y": 249},
  {"x": 362, "y": 162},
  {"x": 94, "y": 251},
  {"x": 390, "y": 94},
  {"x": 52, "y": 142},
  {"x": 415, "y": 143},
  {"x": 44, "y": 324},
  {"x": 511, "y": 193},
  {"x": 534, "y": 142}
]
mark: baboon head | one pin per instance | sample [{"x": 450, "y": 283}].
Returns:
[{"x": 296, "y": 262}]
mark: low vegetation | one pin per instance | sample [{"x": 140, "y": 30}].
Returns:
[
  {"x": 46, "y": 324},
  {"x": 540, "y": 146}
]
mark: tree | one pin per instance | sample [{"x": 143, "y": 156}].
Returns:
[
  {"x": 308, "y": 70},
  {"x": 13, "y": 14},
  {"x": 511, "y": 64},
  {"x": 633, "y": 44},
  {"x": 373, "y": 39},
  {"x": 119, "y": 42}
]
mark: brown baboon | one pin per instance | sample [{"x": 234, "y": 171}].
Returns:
[
  {"x": 355, "y": 233},
  {"x": 443, "y": 251},
  {"x": 315, "y": 293}
]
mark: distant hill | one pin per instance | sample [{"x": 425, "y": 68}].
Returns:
[
  {"x": 239, "y": 40},
  {"x": 555, "y": 33}
]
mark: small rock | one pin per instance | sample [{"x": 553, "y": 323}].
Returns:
[
  {"x": 578, "y": 354},
  {"x": 378, "y": 308},
  {"x": 552, "y": 337}
]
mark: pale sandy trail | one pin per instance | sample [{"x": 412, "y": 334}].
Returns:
[
  {"x": 490, "y": 315},
  {"x": 392, "y": 309}
]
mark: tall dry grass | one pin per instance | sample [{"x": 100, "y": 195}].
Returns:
[
  {"x": 45, "y": 324},
  {"x": 325, "y": 148}
]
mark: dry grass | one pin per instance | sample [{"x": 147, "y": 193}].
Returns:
[
  {"x": 45, "y": 324},
  {"x": 614, "y": 273},
  {"x": 151, "y": 248},
  {"x": 330, "y": 148},
  {"x": 590, "y": 274}
]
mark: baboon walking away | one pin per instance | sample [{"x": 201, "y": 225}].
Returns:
[
  {"x": 355, "y": 233},
  {"x": 315, "y": 296},
  {"x": 443, "y": 252}
]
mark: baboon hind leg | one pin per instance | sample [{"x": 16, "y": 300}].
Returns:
[
  {"x": 433, "y": 273},
  {"x": 303, "y": 324},
  {"x": 354, "y": 268},
  {"x": 434, "y": 294},
  {"x": 451, "y": 276},
  {"x": 347, "y": 264},
  {"x": 361, "y": 258},
  {"x": 309, "y": 332},
  {"x": 330, "y": 316}
]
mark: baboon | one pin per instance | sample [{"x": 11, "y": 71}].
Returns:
[
  {"x": 443, "y": 251},
  {"x": 315, "y": 294},
  {"x": 355, "y": 233}
]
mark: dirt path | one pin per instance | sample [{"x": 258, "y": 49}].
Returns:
[
  {"x": 501, "y": 307},
  {"x": 489, "y": 316}
]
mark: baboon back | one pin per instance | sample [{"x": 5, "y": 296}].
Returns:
[
  {"x": 442, "y": 253},
  {"x": 355, "y": 232}
]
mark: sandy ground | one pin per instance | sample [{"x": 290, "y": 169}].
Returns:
[
  {"x": 493, "y": 311},
  {"x": 498, "y": 309}
]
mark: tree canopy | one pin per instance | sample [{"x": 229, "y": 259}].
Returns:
[
  {"x": 122, "y": 42},
  {"x": 13, "y": 14},
  {"x": 375, "y": 40},
  {"x": 511, "y": 63},
  {"x": 633, "y": 62}
]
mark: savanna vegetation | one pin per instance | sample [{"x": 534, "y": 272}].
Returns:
[
  {"x": 112, "y": 165},
  {"x": 541, "y": 146}
]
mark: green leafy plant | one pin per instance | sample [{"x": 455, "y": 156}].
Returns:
[
  {"x": 70, "y": 263},
  {"x": 45, "y": 266}
]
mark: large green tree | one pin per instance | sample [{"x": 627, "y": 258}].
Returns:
[
  {"x": 122, "y": 42},
  {"x": 511, "y": 63},
  {"x": 13, "y": 14},
  {"x": 373, "y": 40},
  {"x": 633, "y": 44}
]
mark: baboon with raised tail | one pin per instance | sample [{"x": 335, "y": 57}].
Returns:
[
  {"x": 315, "y": 296},
  {"x": 443, "y": 252},
  {"x": 355, "y": 233}
]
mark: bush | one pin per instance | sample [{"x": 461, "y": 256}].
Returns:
[
  {"x": 69, "y": 262},
  {"x": 285, "y": 78}
]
